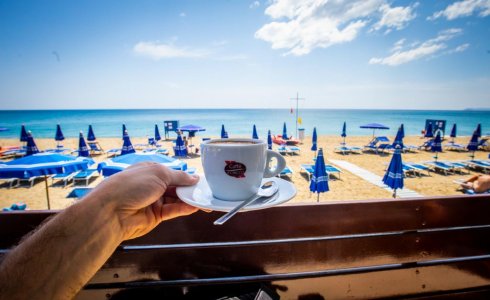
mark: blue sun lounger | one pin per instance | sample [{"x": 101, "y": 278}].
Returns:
[
  {"x": 378, "y": 144},
  {"x": 310, "y": 169},
  {"x": 418, "y": 168},
  {"x": 344, "y": 149},
  {"x": 95, "y": 148},
  {"x": 441, "y": 166},
  {"x": 79, "y": 192},
  {"x": 287, "y": 172},
  {"x": 85, "y": 176},
  {"x": 65, "y": 177},
  {"x": 455, "y": 147},
  {"x": 479, "y": 165}
]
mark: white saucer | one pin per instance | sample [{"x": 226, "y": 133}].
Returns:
[{"x": 200, "y": 196}]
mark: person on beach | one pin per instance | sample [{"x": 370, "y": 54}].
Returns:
[
  {"x": 477, "y": 183},
  {"x": 60, "y": 257}
]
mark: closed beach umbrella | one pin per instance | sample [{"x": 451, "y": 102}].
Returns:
[
  {"x": 398, "y": 139},
  {"x": 23, "y": 134},
  {"x": 314, "y": 139},
  {"x": 269, "y": 140},
  {"x": 31, "y": 147},
  {"x": 402, "y": 129},
  {"x": 157, "y": 133},
  {"x": 284, "y": 132},
  {"x": 344, "y": 131},
  {"x": 224, "y": 134},
  {"x": 180, "y": 149},
  {"x": 453, "y": 131},
  {"x": 127, "y": 146},
  {"x": 254, "y": 133},
  {"x": 319, "y": 179},
  {"x": 91, "y": 134},
  {"x": 473, "y": 144},
  {"x": 118, "y": 164},
  {"x": 82, "y": 146},
  {"x": 394, "y": 175},
  {"x": 374, "y": 127},
  {"x": 429, "y": 131},
  {"x": 123, "y": 130},
  {"x": 59, "y": 135},
  {"x": 436, "y": 144},
  {"x": 478, "y": 130},
  {"x": 43, "y": 164}
]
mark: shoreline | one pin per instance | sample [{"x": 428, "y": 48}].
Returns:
[{"x": 350, "y": 187}]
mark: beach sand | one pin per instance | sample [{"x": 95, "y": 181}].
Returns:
[{"x": 349, "y": 187}]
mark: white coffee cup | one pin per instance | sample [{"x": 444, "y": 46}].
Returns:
[{"x": 234, "y": 168}]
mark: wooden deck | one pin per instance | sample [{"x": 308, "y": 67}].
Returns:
[{"x": 430, "y": 248}]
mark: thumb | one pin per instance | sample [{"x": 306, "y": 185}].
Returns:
[{"x": 181, "y": 178}]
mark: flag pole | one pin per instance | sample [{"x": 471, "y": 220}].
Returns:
[{"x": 297, "y": 114}]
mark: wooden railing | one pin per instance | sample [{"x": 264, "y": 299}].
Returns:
[{"x": 420, "y": 248}]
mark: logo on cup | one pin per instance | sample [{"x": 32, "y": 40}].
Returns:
[{"x": 235, "y": 169}]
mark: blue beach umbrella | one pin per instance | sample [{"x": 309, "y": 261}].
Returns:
[
  {"x": 478, "y": 130},
  {"x": 394, "y": 175},
  {"x": 157, "y": 133},
  {"x": 284, "y": 132},
  {"x": 124, "y": 131},
  {"x": 319, "y": 179},
  {"x": 344, "y": 131},
  {"x": 436, "y": 144},
  {"x": 59, "y": 135},
  {"x": 254, "y": 133},
  {"x": 43, "y": 164},
  {"x": 398, "y": 139},
  {"x": 23, "y": 134},
  {"x": 91, "y": 134},
  {"x": 191, "y": 129},
  {"x": 82, "y": 146},
  {"x": 429, "y": 131},
  {"x": 127, "y": 146},
  {"x": 374, "y": 127},
  {"x": 224, "y": 134},
  {"x": 473, "y": 144},
  {"x": 269, "y": 140},
  {"x": 453, "y": 131},
  {"x": 314, "y": 139},
  {"x": 31, "y": 147},
  {"x": 118, "y": 164},
  {"x": 402, "y": 129},
  {"x": 180, "y": 148}
]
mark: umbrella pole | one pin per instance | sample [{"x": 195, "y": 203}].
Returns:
[
  {"x": 394, "y": 193},
  {"x": 318, "y": 198},
  {"x": 47, "y": 191}
]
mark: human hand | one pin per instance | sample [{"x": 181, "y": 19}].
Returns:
[{"x": 143, "y": 195}]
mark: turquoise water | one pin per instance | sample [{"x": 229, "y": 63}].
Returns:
[{"x": 107, "y": 123}]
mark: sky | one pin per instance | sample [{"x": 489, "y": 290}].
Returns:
[{"x": 375, "y": 54}]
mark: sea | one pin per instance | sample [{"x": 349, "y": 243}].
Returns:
[{"x": 238, "y": 122}]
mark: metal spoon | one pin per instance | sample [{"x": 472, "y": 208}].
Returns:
[{"x": 267, "y": 190}]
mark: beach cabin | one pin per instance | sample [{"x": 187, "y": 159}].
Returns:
[{"x": 430, "y": 248}]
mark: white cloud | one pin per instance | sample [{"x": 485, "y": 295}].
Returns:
[
  {"x": 254, "y": 4},
  {"x": 182, "y": 15},
  {"x": 395, "y": 17},
  {"x": 301, "y": 26},
  {"x": 425, "y": 49},
  {"x": 463, "y": 8},
  {"x": 158, "y": 51}
]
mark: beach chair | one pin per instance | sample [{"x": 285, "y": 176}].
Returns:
[
  {"x": 441, "y": 166},
  {"x": 65, "y": 177},
  {"x": 286, "y": 172},
  {"x": 85, "y": 176},
  {"x": 10, "y": 182},
  {"x": 113, "y": 152},
  {"x": 378, "y": 144},
  {"x": 310, "y": 169},
  {"x": 427, "y": 144},
  {"x": 458, "y": 166},
  {"x": 79, "y": 192},
  {"x": 294, "y": 150},
  {"x": 483, "y": 144},
  {"x": 29, "y": 180},
  {"x": 479, "y": 165},
  {"x": 95, "y": 148},
  {"x": 454, "y": 147},
  {"x": 284, "y": 150},
  {"x": 331, "y": 169},
  {"x": 418, "y": 168},
  {"x": 344, "y": 149}
]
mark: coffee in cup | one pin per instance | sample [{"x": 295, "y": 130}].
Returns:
[{"x": 234, "y": 168}]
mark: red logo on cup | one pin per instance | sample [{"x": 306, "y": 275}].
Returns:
[{"x": 235, "y": 169}]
